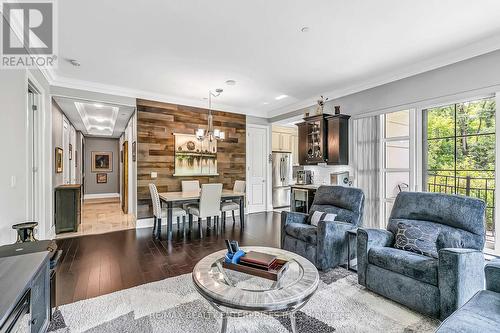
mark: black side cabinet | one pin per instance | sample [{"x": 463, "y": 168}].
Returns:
[{"x": 67, "y": 208}]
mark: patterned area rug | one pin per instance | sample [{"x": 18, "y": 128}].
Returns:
[{"x": 173, "y": 305}]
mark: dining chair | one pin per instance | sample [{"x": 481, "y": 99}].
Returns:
[
  {"x": 209, "y": 205},
  {"x": 189, "y": 186},
  {"x": 232, "y": 206},
  {"x": 159, "y": 212}
]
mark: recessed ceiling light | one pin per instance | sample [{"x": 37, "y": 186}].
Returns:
[
  {"x": 98, "y": 105},
  {"x": 304, "y": 29},
  {"x": 265, "y": 103},
  {"x": 75, "y": 62},
  {"x": 280, "y": 97},
  {"x": 231, "y": 82}
]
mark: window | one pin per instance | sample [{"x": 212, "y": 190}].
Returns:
[
  {"x": 396, "y": 165},
  {"x": 459, "y": 153}
]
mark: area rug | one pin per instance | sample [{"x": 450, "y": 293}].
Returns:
[{"x": 173, "y": 305}]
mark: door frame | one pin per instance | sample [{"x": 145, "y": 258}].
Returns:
[
  {"x": 125, "y": 194},
  {"x": 43, "y": 189},
  {"x": 268, "y": 192}
]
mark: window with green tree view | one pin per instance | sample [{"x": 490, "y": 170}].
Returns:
[{"x": 459, "y": 152}]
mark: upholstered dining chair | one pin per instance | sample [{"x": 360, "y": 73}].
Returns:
[
  {"x": 232, "y": 206},
  {"x": 430, "y": 256},
  {"x": 159, "y": 212},
  {"x": 209, "y": 205},
  {"x": 189, "y": 186}
]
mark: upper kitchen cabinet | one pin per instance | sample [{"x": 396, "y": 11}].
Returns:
[
  {"x": 324, "y": 139},
  {"x": 284, "y": 139}
]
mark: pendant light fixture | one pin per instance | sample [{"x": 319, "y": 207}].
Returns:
[{"x": 210, "y": 134}]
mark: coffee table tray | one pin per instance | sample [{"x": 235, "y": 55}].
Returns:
[{"x": 274, "y": 274}]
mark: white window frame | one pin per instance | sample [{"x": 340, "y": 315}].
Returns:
[
  {"x": 420, "y": 151},
  {"x": 411, "y": 138}
]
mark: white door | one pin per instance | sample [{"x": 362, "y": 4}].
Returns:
[
  {"x": 257, "y": 167},
  {"x": 66, "y": 166}
]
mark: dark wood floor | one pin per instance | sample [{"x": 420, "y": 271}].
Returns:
[{"x": 99, "y": 264}]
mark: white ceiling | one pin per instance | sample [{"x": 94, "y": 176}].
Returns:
[
  {"x": 176, "y": 51},
  {"x": 96, "y": 119}
]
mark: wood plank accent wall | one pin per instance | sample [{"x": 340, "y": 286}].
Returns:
[{"x": 156, "y": 123}]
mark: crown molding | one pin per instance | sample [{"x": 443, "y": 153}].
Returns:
[
  {"x": 478, "y": 48},
  {"x": 142, "y": 94},
  {"x": 470, "y": 51}
]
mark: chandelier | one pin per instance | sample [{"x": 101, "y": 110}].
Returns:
[{"x": 210, "y": 134}]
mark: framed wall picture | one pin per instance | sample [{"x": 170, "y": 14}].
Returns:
[
  {"x": 194, "y": 157},
  {"x": 102, "y": 178},
  {"x": 70, "y": 151},
  {"x": 134, "y": 151},
  {"x": 102, "y": 161},
  {"x": 59, "y": 160}
]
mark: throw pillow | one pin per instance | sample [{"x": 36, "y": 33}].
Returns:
[
  {"x": 318, "y": 216},
  {"x": 418, "y": 239}
]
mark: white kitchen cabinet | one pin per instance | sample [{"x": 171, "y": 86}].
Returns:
[
  {"x": 276, "y": 141},
  {"x": 285, "y": 139}
]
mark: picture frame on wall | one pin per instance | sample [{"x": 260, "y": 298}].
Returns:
[
  {"x": 70, "y": 152},
  {"x": 102, "y": 161},
  {"x": 102, "y": 178},
  {"x": 58, "y": 160},
  {"x": 134, "y": 151}
]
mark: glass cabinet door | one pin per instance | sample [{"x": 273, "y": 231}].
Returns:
[{"x": 315, "y": 150}]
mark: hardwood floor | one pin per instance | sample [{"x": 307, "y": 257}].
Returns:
[
  {"x": 100, "y": 216},
  {"x": 94, "y": 265}
]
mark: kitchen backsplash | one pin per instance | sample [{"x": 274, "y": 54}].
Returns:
[{"x": 321, "y": 173}]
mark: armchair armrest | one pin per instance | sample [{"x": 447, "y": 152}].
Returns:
[
  {"x": 365, "y": 240},
  {"x": 293, "y": 217},
  {"x": 492, "y": 271},
  {"x": 290, "y": 217},
  {"x": 460, "y": 276},
  {"x": 331, "y": 243}
]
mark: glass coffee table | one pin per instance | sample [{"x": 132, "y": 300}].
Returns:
[{"x": 234, "y": 294}]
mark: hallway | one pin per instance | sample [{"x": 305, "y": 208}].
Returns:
[{"x": 102, "y": 216}]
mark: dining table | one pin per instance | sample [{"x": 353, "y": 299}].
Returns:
[{"x": 172, "y": 199}]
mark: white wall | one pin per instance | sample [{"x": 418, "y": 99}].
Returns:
[{"x": 14, "y": 171}]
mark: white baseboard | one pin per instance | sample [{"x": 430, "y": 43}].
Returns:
[{"x": 101, "y": 195}]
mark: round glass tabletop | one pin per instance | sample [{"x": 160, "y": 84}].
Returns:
[{"x": 247, "y": 292}]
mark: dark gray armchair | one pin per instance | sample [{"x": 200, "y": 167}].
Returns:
[
  {"x": 435, "y": 286},
  {"x": 482, "y": 312},
  {"x": 324, "y": 245}
]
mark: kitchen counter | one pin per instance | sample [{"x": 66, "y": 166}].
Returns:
[{"x": 307, "y": 187}]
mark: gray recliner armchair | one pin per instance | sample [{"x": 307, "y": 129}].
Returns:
[
  {"x": 435, "y": 285},
  {"x": 325, "y": 245}
]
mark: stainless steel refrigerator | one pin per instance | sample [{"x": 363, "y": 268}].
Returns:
[{"x": 282, "y": 176}]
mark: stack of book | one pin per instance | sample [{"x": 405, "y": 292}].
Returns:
[
  {"x": 259, "y": 264},
  {"x": 258, "y": 260}
]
